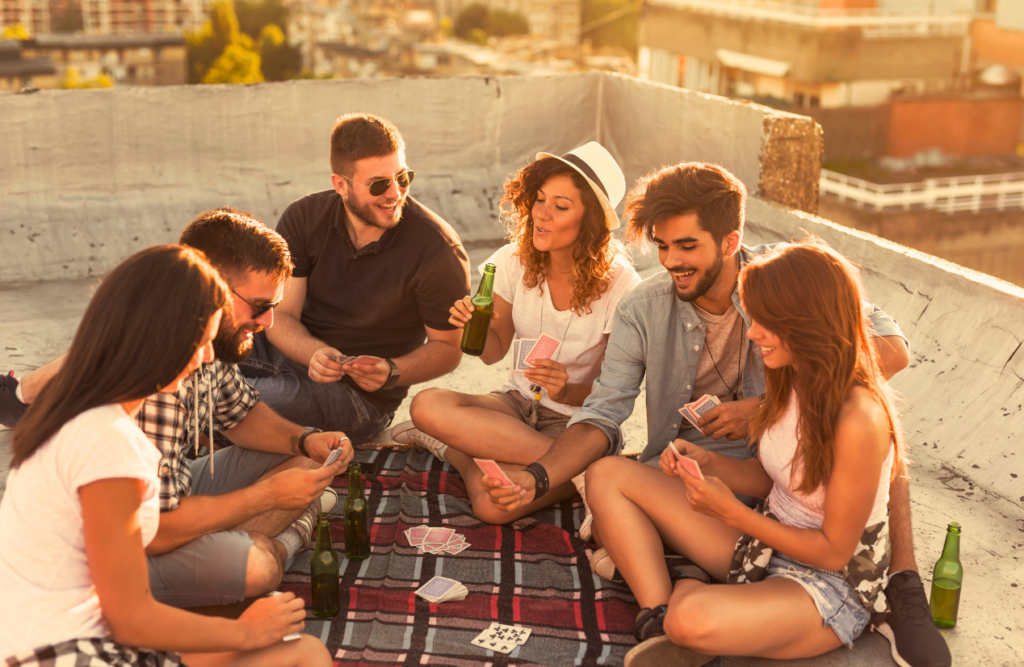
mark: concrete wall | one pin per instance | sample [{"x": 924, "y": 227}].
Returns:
[{"x": 92, "y": 176}]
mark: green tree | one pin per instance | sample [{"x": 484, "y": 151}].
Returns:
[
  {"x": 502, "y": 23},
  {"x": 279, "y": 60},
  {"x": 471, "y": 18},
  {"x": 255, "y": 15},
  {"x": 15, "y": 31},
  {"x": 237, "y": 64},
  {"x": 70, "y": 18},
  {"x": 619, "y": 32}
]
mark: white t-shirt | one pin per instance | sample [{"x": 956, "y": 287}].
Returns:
[
  {"x": 584, "y": 342},
  {"x": 47, "y": 592}
]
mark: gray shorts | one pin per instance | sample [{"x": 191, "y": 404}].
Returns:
[
  {"x": 837, "y": 602},
  {"x": 210, "y": 570},
  {"x": 549, "y": 422}
]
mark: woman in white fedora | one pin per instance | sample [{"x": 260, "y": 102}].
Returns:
[{"x": 561, "y": 275}]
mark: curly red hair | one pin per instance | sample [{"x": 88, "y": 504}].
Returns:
[{"x": 595, "y": 249}]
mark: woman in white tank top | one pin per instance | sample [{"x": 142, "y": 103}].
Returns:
[{"x": 815, "y": 554}]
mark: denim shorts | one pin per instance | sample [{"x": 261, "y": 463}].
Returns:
[{"x": 837, "y": 602}]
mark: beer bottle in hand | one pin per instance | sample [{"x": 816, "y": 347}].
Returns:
[
  {"x": 323, "y": 568},
  {"x": 946, "y": 580},
  {"x": 357, "y": 529},
  {"x": 474, "y": 334}
]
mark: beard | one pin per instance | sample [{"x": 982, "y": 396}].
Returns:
[
  {"x": 370, "y": 215},
  {"x": 706, "y": 281},
  {"x": 234, "y": 347}
]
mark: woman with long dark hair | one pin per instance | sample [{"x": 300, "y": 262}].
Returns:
[
  {"x": 816, "y": 552},
  {"x": 82, "y": 497},
  {"x": 561, "y": 275}
]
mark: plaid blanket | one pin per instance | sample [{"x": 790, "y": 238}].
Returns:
[{"x": 534, "y": 573}]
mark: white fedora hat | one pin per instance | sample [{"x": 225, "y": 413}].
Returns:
[{"x": 598, "y": 167}]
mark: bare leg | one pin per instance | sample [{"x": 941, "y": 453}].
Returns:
[
  {"x": 730, "y": 620},
  {"x": 274, "y": 521},
  {"x": 265, "y": 566},
  {"x": 483, "y": 508},
  {"x": 307, "y": 651},
  {"x": 33, "y": 383},
  {"x": 637, "y": 508},
  {"x": 480, "y": 426},
  {"x": 900, "y": 530}
]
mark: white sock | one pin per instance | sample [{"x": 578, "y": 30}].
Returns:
[
  {"x": 291, "y": 540},
  {"x": 17, "y": 393}
]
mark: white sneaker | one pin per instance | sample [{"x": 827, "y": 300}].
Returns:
[
  {"x": 305, "y": 525},
  {"x": 406, "y": 433},
  {"x": 586, "y": 532}
]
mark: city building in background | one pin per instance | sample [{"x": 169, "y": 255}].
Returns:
[
  {"x": 920, "y": 102},
  {"x": 104, "y": 17}
]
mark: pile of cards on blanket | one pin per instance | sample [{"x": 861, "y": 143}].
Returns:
[
  {"x": 442, "y": 589},
  {"x": 527, "y": 350},
  {"x": 436, "y": 540},
  {"x": 502, "y": 638},
  {"x": 694, "y": 411}
]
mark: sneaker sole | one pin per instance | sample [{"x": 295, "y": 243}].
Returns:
[
  {"x": 399, "y": 431},
  {"x": 661, "y": 652},
  {"x": 886, "y": 632}
]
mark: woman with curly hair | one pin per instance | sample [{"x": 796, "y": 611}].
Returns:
[
  {"x": 562, "y": 274},
  {"x": 814, "y": 554}
]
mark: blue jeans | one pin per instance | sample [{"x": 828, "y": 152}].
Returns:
[{"x": 286, "y": 387}]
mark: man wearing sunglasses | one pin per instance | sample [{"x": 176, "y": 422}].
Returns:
[
  {"x": 226, "y": 528},
  {"x": 365, "y": 313}
]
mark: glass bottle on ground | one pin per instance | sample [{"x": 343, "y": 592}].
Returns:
[
  {"x": 324, "y": 566},
  {"x": 357, "y": 525},
  {"x": 947, "y": 577}
]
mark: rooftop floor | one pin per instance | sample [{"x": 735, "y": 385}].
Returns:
[{"x": 160, "y": 156}]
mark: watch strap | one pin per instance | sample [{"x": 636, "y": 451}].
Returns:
[
  {"x": 393, "y": 377},
  {"x": 302, "y": 439}
]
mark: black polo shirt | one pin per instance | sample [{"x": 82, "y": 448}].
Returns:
[{"x": 375, "y": 300}]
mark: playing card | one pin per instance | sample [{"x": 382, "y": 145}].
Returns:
[
  {"x": 343, "y": 359},
  {"x": 520, "y": 349},
  {"x": 416, "y": 534},
  {"x": 436, "y": 588},
  {"x": 437, "y": 537},
  {"x": 333, "y": 456},
  {"x": 456, "y": 549},
  {"x": 688, "y": 464},
  {"x": 544, "y": 349},
  {"x": 495, "y": 644},
  {"x": 695, "y": 410},
  {"x": 494, "y": 471}
]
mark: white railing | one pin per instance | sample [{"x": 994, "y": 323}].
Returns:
[
  {"x": 960, "y": 194},
  {"x": 874, "y": 22}
]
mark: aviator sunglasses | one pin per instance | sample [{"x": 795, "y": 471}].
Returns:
[
  {"x": 258, "y": 311},
  {"x": 381, "y": 185}
]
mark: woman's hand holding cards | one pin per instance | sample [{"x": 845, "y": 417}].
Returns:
[
  {"x": 551, "y": 375},
  {"x": 712, "y": 497},
  {"x": 269, "y": 619}
]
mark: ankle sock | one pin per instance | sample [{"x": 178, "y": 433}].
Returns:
[
  {"x": 17, "y": 393},
  {"x": 291, "y": 540}
]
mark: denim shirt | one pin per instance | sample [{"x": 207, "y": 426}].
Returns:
[{"x": 659, "y": 335}]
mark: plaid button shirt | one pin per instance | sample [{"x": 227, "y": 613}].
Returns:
[{"x": 170, "y": 419}]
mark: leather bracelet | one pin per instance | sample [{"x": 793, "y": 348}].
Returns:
[
  {"x": 541, "y": 477},
  {"x": 302, "y": 440}
]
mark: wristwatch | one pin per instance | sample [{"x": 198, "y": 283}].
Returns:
[{"x": 393, "y": 378}]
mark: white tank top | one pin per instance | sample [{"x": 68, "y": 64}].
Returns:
[{"x": 776, "y": 450}]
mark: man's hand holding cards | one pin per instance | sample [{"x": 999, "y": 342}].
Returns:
[
  {"x": 695, "y": 410},
  {"x": 491, "y": 469}
]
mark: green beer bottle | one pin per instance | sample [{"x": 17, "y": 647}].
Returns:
[
  {"x": 323, "y": 569},
  {"x": 474, "y": 335},
  {"x": 946, "y": 580},
  {"x": 357, "y": 529}
]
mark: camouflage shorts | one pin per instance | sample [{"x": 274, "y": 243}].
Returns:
[{"x": 837, "y": 602}]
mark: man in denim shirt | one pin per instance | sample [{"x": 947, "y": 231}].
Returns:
[{"x": 693, "y": 212}]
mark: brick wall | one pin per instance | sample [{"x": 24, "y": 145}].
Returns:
[{"x": 956, "y": 126}]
